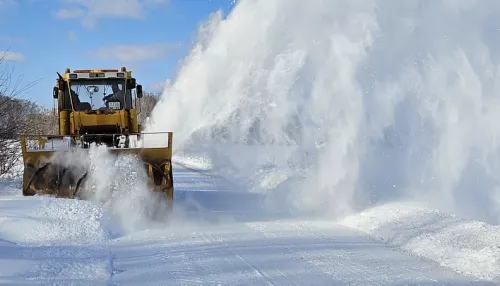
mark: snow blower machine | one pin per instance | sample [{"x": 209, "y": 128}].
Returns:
[{"x": 95, "y": 108}]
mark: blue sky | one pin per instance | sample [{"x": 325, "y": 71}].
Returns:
[{"x": 148, "y": 36}]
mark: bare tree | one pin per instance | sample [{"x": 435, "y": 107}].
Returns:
[
  {"x": 41, "y": 121},
  {"x": 13, "y": 111},
  {"x": 145, "y": 105}
]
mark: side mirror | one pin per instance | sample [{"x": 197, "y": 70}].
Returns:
[
  {"x": 131, "y": 83},
  {"x": 55, "y": 92},
  {"x": 93, "y": 88},
  {"x": 139, "y": 91}
]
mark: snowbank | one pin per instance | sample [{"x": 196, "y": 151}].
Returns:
[
  {"x": 44, "y": 221},
  {"x": 53, "y": 241},
  {"x": 466, "y": 246},
  {"x": 193, "y": 161},
  {"x": 10, "y": 187}
]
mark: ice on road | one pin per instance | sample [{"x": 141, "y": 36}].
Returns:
[{"x": 50, "y": 241}]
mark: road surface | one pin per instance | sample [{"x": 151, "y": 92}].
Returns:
[{"x": 220, "y": 239}]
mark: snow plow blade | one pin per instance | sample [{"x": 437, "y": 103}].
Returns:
[{"x": 45, "y": 173}]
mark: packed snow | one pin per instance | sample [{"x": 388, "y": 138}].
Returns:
[{"x": 218, "y": 236}]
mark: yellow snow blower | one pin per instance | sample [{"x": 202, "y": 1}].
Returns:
[{"x": 95, "y": 107}]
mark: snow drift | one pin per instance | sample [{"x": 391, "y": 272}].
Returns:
[
  {"x": 386, "y": 100},
  {"x": 53, "y": 241},
  {"x": 467, "y": 246},
  {"x": 45, "y": 221}
]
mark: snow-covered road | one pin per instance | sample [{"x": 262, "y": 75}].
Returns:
[
  {"x": 268, "y": 253},
  {"x": 218, "y": 242}
]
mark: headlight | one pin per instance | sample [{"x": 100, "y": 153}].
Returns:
[
  {"x": 73, "y": 75},
  {"x": 101, "y": 74},
  {"x": 120, "y": 74}
]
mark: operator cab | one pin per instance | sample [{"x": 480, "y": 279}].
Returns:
[
  {"x": 100, "y": 95},
  {"x": 92, "y": 90}
]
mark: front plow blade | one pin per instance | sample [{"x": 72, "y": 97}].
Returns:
[
  {"x": 158, "y": 166},
  {"x": 55, "y": 165}
]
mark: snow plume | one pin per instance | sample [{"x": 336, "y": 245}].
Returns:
[
  {"x": 118, "y": 183},
  {"x": 388, "y": 99}
]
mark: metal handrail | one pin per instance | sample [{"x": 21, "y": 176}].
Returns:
[{"x": 28, "y": 144}]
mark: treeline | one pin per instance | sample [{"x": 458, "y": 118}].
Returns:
[
  {"x": 13, "y": 120},
  {"x": 146, "y": 105}
]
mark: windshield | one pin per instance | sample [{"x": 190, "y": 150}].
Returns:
[{"x": 100, "y": 94}]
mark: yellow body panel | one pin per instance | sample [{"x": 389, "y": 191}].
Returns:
[
  {"x": 134, "y": 127},
  {"x": 64, "y": 123},
  {"x": 79, "y": 119}
]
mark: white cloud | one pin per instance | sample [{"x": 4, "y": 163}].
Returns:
[
  {"x": 4, "y": 4},
  {"x": 72, "y": 36},
  {"x": 133, "y": 53},
  {"x": 12, "y": 56},
  {"x": 88, "y": 12}
]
